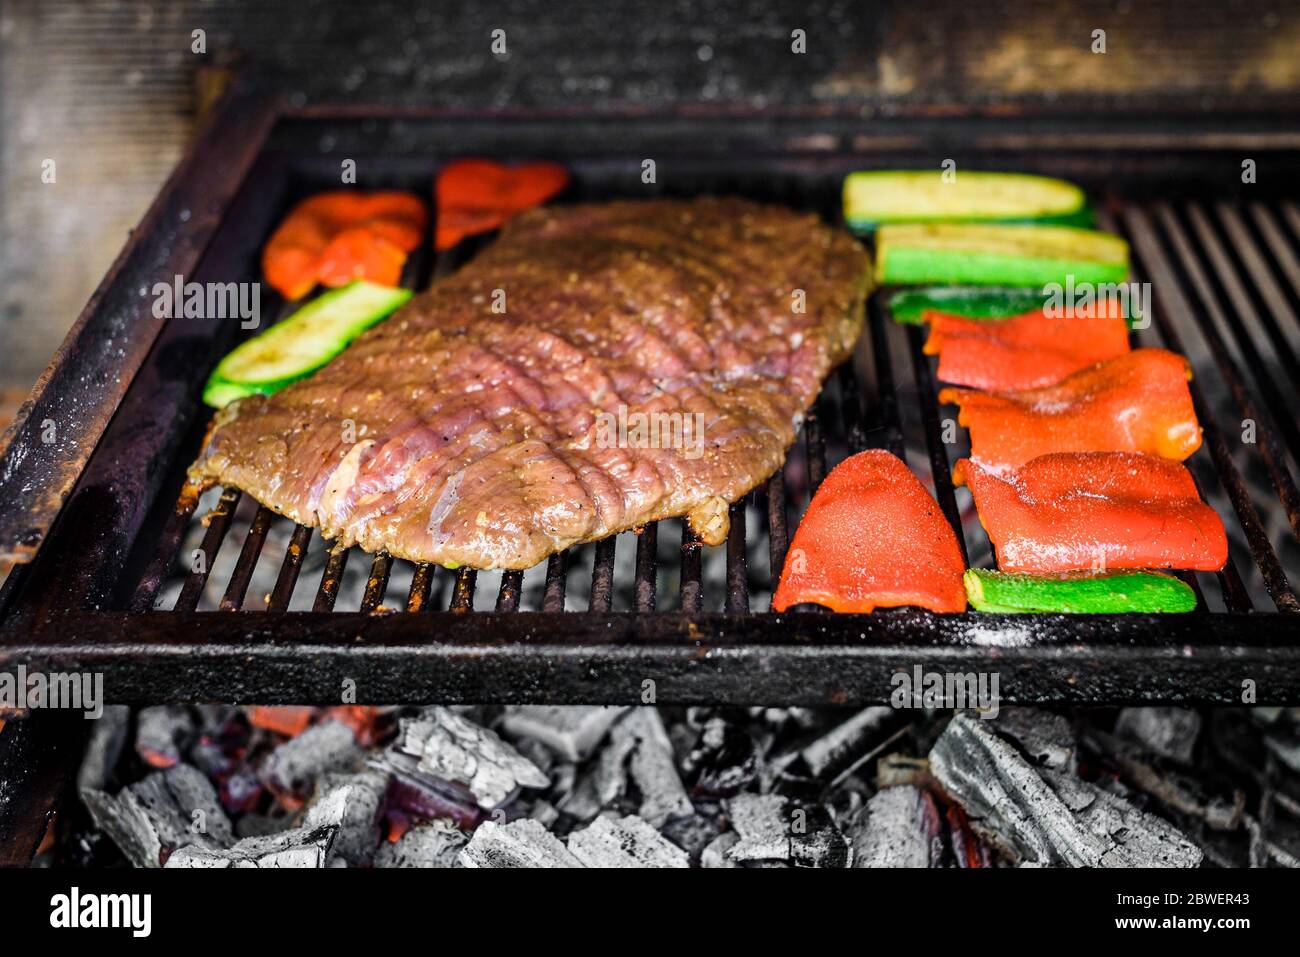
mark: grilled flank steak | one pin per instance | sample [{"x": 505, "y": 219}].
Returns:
[{"x": 596, "y": 368}]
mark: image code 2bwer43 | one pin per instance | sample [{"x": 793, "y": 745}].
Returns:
[{"x": 756, "y": 448}]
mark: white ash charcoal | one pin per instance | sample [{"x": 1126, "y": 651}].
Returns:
[
  {"x": 624, "y": 842},
  {"x": 435, "y": 843},
  {"x": 545, "y": 813},
  {"x": 603, "y": 783},
  {"x": 301, "y": 847},
  {"x": 652, "y": 767},
  {"x": 1169, "y": 732},
  {"x": 762, "y": 824},
  {"x": 1024, "y": 815},
  {"x": 456, "y": 749},
  {"x": 351, "y": 803},
  {"x": 1136, "y": 838},
  {"x": 844, "y": 740},
  {"x": 522, "y": 843},
  {"x": 294, "y": 766},
  {"x": 424, "y": 796},
  {"x": 898, "y": 827},
  {"x": 1174, "y": 790},
  {"x": 164, "y": 811},
  {"x": 572, "y": 732},
  {"x": 1047, "y": 738},
  {"x": 107, "y": 739},
  {"x": 161, "y": 733},
  {"x": 718, "y": 852},
  {"x": 815, "y": 841}
]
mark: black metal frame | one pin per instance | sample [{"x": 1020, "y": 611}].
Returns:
[{"x": 110, "y": 531}]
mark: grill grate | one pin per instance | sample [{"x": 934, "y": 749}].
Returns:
[
  {"x": 180, "y": 596},
  {"x": 1176, "y": 247}
]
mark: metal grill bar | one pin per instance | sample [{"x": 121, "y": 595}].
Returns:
[
  {"x": 282, "y": 593},
  {"x": 417, "y": 599},
  {"x": 512, "y": 583},
  {"x": 335, "y": 565},
  {"x": 462, "y": 593},
  {"x": 233, "y": 599},
  {"x": 1272, "y": 454},
  {"x": 886, "y": 392},
  {"x": 816, "y": 445},
  {"x": 1283, "y": 254},
  {"x": 737, "y": 575},
  {"x": 164, "y": 554},
  {"x": 602, "y": 575},
  {"x": 1157, "y": 266},
  {"x": 940, "y": 467},
  {"x": 377, "y": 582},
  {"x": 557, "y": 567},
  {"x": 218, "y": 524},
  {"x": 777, "y": 534},
  {"x": 647, "y": 545},
  {"x": 692, "y": 591},
  {"x": 1242, "y": 247}
]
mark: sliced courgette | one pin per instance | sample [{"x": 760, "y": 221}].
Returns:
[
  {"x": 300, "y": 344},
  {"x": 972, "y": 302},
  {"x": 980, "y": 255},
  {"x": 909, "y": 306},
  {"x": 876, "y": 197},
  {"x": 1115, "y": 593}
]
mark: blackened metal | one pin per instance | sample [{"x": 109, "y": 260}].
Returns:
[
  {"x": 647, "y": 545},
  {"x": 777, "y": 534},
  {"x": 1241, "y": 248},
  {"x": 233, "y": 599},
  {"x": 1261, "y": 549},
  {"x": 39, "y": 757},
  {"x": 695, "y": 658},
  {"x": 164, "y": 556},
  {"x": 602, "y": 575},
  {"x": 377, "y": 582},
  {"x": 91, "y": 372},
  {"x": 335, "y": 565},
  {"x": 557, "y": 568},
  {"x": 886, "y": 393},
  {"x": 1269, "y": 450},
  {"x": 855, "y": 436},
  {"x": 462, "y": 593},
  {"x": 940, "y": 468},
  {"x": 816, "y": 443},
  {"x": 512, "y": 584},
  {"x": 692, "y": 588},
  {"x": 737, "y": 574},
  {"x": 282, "y": 593},
  {"x": 417, "y": 599},
  {"x": 218, "y": 524}
]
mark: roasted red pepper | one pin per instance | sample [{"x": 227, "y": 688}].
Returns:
[
  {"x": 1021, "y": 352},
  {"x": 1080, "y": 511},
  {"x": 477, "y": 196},
  {"x": 872, "y": 537},
  {"x": 334, "y": 238}
]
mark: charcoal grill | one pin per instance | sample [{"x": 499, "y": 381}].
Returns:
[{"x": 98, "y": 517}]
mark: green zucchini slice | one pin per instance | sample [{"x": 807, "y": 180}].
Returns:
[
  {"x": 1115, "y": 593},
  {"x": 300, "y": 344},
  {"x": 875, "y": 197},
  {"x": 908, "y": 306},
  {"x": 981, "y": 255}
]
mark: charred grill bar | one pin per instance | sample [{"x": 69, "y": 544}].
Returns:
[{"x": 1224, "y": 263}]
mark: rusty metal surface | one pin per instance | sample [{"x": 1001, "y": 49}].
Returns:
[{"x": 56, "y": 429}]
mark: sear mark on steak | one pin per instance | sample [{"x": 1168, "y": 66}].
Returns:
[{"x": 459, "y": 434}]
